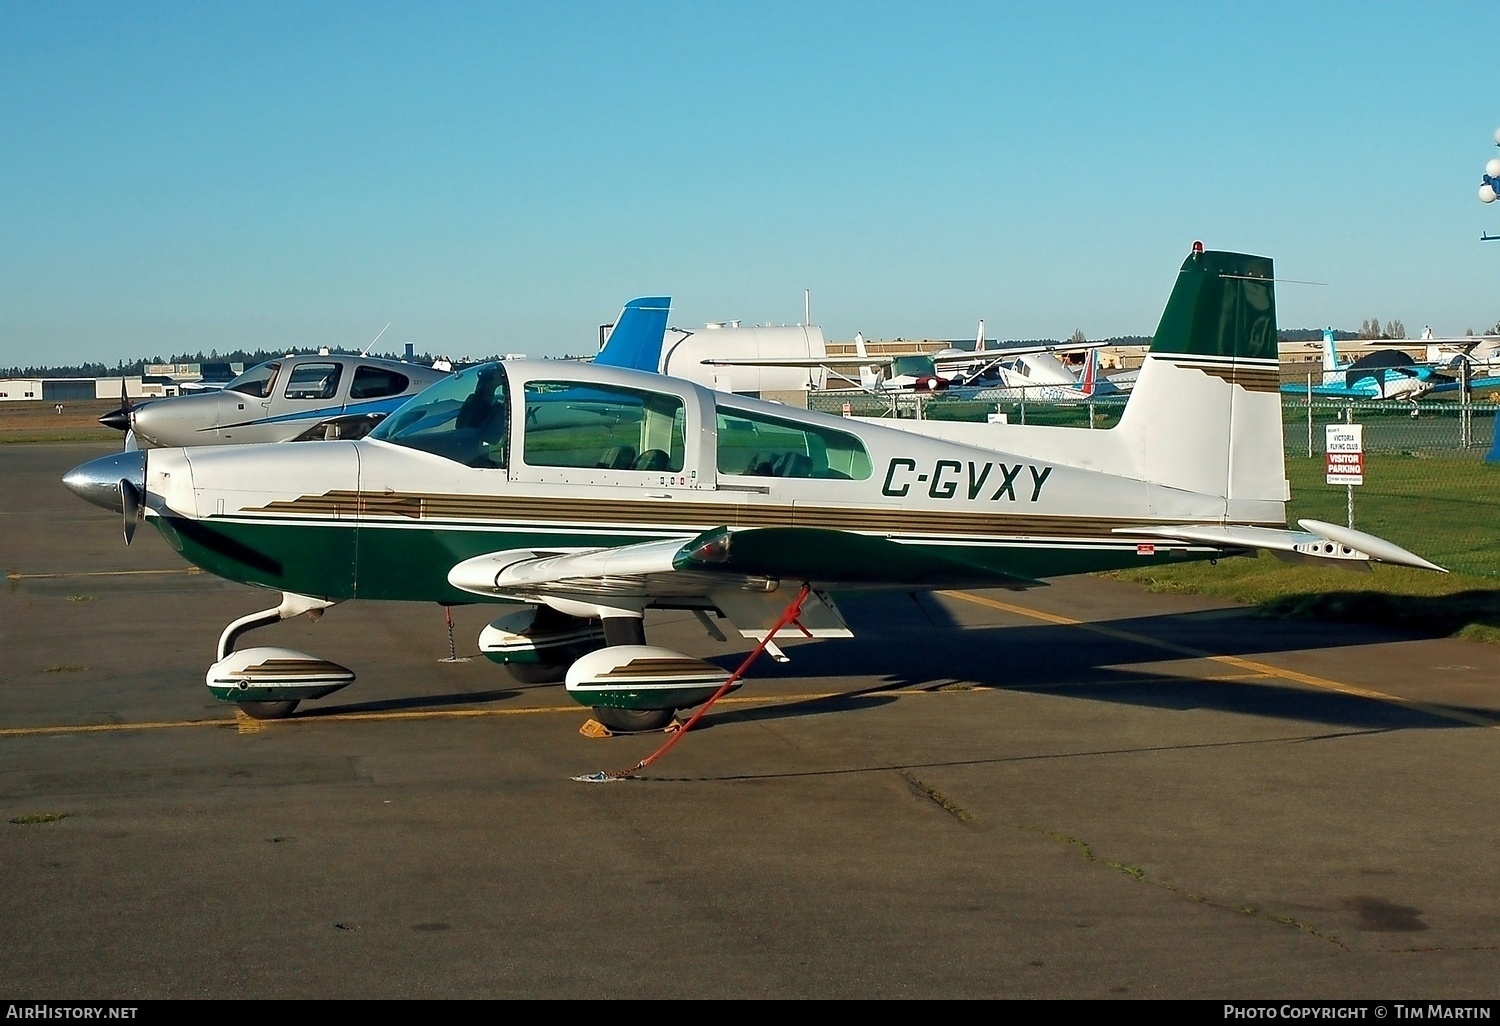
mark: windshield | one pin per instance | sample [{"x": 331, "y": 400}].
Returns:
[
  {"x": 463, "y": 418},
  {"x": 256, "y": 382},
  {"x": 915, "y": 366}
]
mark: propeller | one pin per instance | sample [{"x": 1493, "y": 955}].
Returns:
[
  {"x": 132, "y": 497},
  {"x": 130, "y": 506},
  {"x": 121, "y": 419}
]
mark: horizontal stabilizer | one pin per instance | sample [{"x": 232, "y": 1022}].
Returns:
[{"x": 1317, "y": 542}]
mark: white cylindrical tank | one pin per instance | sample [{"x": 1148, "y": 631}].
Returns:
[{"x": 683, "y": 352}]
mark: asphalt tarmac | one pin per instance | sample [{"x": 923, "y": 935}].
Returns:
[{"x": 1082, "y": 791}]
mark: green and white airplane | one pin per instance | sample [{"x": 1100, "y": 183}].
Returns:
[{"x": 585, "y": 495}]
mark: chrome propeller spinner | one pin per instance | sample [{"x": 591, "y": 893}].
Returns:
[{"x": 116, "y": 482}]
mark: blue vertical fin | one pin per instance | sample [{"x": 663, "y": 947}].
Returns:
[{"x": 636, "y": 340}]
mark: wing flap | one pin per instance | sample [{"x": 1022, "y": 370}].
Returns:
[
  {"x": 754, "y": 613},
  {"x": 832, "y": 558}
]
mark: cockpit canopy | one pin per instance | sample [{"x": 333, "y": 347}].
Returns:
[
  {"x": 464, "y": 418},
  {"x": 584, "y": 420}
]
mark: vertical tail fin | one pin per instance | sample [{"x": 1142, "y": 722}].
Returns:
[
  {"x": 1205, "y": 413},
  {"x": 1087, "y": 377},
  {"x": 979, "y": 340},
  {"x": 1330, "y": 351},
  {"x": 869, "y": 377},
  {"x": 636, "y": 340}
]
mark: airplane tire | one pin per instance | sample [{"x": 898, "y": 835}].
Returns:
[
  {"x": 633, "y": 721},
  {"x": 269, "y": 710}
]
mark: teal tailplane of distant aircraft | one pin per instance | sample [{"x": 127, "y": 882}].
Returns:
[
  {"x": 654, "y": 492},
  {"x": 1389, "y": 373}
]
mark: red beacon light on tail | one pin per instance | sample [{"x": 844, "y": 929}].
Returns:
[{"x": 1197, "y": 249}]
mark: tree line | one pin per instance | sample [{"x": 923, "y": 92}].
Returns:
[{"x": 136, "y": 368}]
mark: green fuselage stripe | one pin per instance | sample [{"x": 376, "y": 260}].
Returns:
[{"x": 342, "y": 559}]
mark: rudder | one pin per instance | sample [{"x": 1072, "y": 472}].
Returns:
[
  {"x": 636, "y": 339},
  {"x": 1205, "y": 414}
]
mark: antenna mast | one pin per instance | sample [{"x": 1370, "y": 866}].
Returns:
[{"x": 366, "y": 350}]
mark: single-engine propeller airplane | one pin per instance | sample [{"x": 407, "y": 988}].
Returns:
[
  {"x": 318, "y": 396},
  {"x": 1391, "y": 374},
  {"x": 948, "y": 370},
  {"x": 687, "y": 498},
  {"x": 298, "y": 397}
]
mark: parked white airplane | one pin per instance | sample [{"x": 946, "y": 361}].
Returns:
[
  {"x": 317, "y": 396},
  {"x": 915, "y": 372},
  {"x": 1480, "y": 352},
  {"x": 750, "y": 511},
  {"x": 1042, "y": 377},
  {"x": 297, "y": 397}
]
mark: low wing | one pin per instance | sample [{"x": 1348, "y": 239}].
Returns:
[
  {"x": 1485, "y": 383},
  {"x": 349, "y": 425},
  {"x": 1317, "y": 542},
  {"x": 962, "y": 359},
  {"x": 809, "y": 361},
  {"x": 1464, "y": 342},
  {"x": 739, "y": 573}
]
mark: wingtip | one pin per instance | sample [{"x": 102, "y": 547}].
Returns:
[{"x": 1371, "y": 545}]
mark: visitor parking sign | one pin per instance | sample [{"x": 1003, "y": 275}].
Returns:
[{"x": 1345, "y": 451}]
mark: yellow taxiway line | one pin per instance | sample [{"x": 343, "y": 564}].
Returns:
[
  {"x": 1248, "y": 668},
  {"x": 102, "y": 573},
  {"x": 244, "y": 724},
  {"x": 1258, "y": 668}
]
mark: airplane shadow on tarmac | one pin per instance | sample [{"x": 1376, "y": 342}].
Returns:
[
  {"x": 415, "y": 702},
  {"x": 923, "y": 646},
  {"x": 1084, "y": 662}
]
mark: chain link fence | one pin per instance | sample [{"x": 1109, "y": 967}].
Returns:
[{"x": 1427, "y": 483}]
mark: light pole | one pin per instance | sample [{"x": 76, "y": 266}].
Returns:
[{"x": 1490, "y": 188}]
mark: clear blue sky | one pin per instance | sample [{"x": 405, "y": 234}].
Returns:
[{"x": 501, "y": 177}]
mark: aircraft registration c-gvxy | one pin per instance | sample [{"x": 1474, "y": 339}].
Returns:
[{"x": 588, "y": 494}]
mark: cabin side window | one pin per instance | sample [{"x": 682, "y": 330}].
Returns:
[
  {"x": 569, "y": 424},
  {"x": 377, "y": 383},
  {"x": 754, "y": 445},
  {"x": 314, "y": 381}
]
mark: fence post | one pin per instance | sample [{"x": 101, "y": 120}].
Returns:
[
  {"x": 1309, "y": 418},
  {"x": 1349, "y": 419},
  {"x": 1466, "y": 408}
]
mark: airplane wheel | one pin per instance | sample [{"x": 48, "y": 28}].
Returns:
[
  {"x": 633, "y": 721},
  {"x": 269, "y": 710},
  {"x": 537, "y": 673}
]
